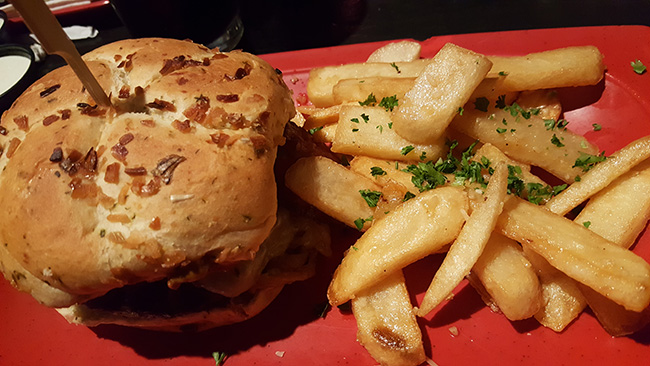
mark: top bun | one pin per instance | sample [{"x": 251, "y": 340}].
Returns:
[{"x": 175, "y": 177}]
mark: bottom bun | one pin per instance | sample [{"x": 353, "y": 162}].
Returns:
[{"x": 234, "y": 311}]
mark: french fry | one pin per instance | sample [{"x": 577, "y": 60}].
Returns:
[
  {"x": 469, "y": 244},
  {"x": 617, "y": 273},
  {"x": 495, "y": 156},
  {"x": 570, "y": 66},
  {"x": 387, "y": 327},
  {"x": 562, "y": 300},
  {"x": 415, "y": 229},
  {"x": 600, "y": 176},
  {"x": 368, "y": 131},
  {"x": 403, "y": 51},
  {"x": 322, "y": 79},
  {"x": 614, "y": 318},
  {"x": 325, "y": 134},
  {"x": 358, "y": 90},
  {"x": 444, "y": 86},
  {"x": 508, "y": 277},
  {"x": 332, "y": 188},
  {"x": 385, "y": 171},
  {"x": 528, "y": 140},
  {"x": 317, "y": 117},
  {"x": 546, "y": 101}
]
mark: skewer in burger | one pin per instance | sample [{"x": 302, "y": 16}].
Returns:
[{"x": 160, "y": 211}]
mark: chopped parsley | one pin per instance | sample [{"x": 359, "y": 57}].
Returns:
[
  {"x": 556, "y": 141},
  {"x": 407, "y": 196},
  {"x": 501, "y": 130},
  {"x": 375, "y": 171},
  {"x": 389, "y": 103},
  {"x": 371, "y": 197},
  {"x": 219, "y": 358},
  {"x": 380, "y": 128},
  {"x": 587, "y": 161},
  {"x": 551, "y": 124},
  {"x": 515, "y": 109},
  {"x": 423, "y": 156},
  {"x": 503, "y": 73},
  {"x": 315, "y": 129},
  {"x": 482, "y": 104},
  {"x": 425, "y": 176},
  {"x": 461, "y": 110},
  {"x": 370, "y": 100},
  {"x": 638, "y": 67},
  {"x": 407, "y": 149},
  {"x": 394, "y": 66},
  {"x": 361, "y": 221},
  {"x": 586, "y": 224},
  {"x": 536, "y": 193},
  {"x": 597, "y": 127}
]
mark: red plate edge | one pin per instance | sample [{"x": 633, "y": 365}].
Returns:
[
  {"x": 69, "y": 10},
  {"x": 287, "y": 334}
]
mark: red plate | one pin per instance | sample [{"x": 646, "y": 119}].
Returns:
[
  {"x": 15, "y": 18},
  {"x": 290, "y": 331}
]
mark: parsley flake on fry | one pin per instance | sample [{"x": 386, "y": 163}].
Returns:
[{"x": 371, "y": 197}]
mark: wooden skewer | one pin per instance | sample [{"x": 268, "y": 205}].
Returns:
[{"x": 40, "y": 21}]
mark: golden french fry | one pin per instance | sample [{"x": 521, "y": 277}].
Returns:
[
  {"x": 368, "y": 131},
  {"x": 403, "y": 51},
  {"x": 469, "y": 244},
  {"x": 332, "y": 188},
  {"x": 562, "y": 299},
  {"x": 444, "y": 86},
  {"x": 316, "y": 117},
  {"x": 600, "y": 176},
  {"x": 509, "y": 279},
  {"x": 614, "y": 318},
  {"x": 384, "y": 171},
  {"x": 526, "y": 138},
  {"x": 615, "y": 272},
  {"x": 325, "y": 134},
  {"x": 322, "y": 79},
  {"x": 386, "y": 325},
  {"x": 415, "y": 229},
  {"x": 358, "y": 90},
  {"x": 570, "y": 66},
  {"x": 546, "y": 101}
]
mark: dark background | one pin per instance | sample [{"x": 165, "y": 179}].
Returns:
[{"x": 286, "y": 25}]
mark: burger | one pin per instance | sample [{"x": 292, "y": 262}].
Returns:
[{"x": 161, "y": 210}]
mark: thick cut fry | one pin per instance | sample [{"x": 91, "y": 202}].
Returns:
[
  {"x": 412, "y": 231},
  {"x": 467, "y": 248},
  {"x": 546, "y": 101},
  {"x": 570, "y": 66},
  {"x": 367, "y": 131},
  {"x": 617, "y": 273},
  {"x": 509, "y": 278},
  {"x": 614, "y": 318},
  {"x": 527, "y": 140},
  {"x": 383, "y": 171},
  {"x": 495, "y": 156},
  {"x": 562, "y": 300},
  {"x": 444, "y": 86},
  {"x": 403, "y": 51},
  {"x": 386, "y": 325},
  {"x": 325, "y": 134},
  {"x": 332, "y": 188},
  {"x": 316, "y": 117},
  {"x": 323, "y": 79},
  {"x": 358, "y": 90},
  {"x": 600, "y": 176}
]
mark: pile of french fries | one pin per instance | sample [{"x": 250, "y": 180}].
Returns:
[{"x": 440, "y": 152}]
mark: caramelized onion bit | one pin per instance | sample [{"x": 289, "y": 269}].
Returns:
[
  {"x": 142, "y": 189},
  {"x": 220, "y": 139},
  {"x": 22, "y": 122},
  {"x": 112, "y": 173},
  {"x": 126, "y": 138},
  {"x": 177, "y": 63},
  {"x": 13, "y": 145},
  {"x": 183, "y": 126},
  {"x": 166, "y": 166},
  {"x": 91, "y": 110},
  {"x": 181, "y": 81},
  {"x": 148, "y": 123},
  {"x": 65, "y": 114},
  {"x": 50, "y": 119},
  {"x": 162, "y": 105},
  {"x": 198, "y": 111},
  {"x": 119, "y": 152},
  {"x": 49, "y": 90},
  {"x": 228, "y": 98},
  {"x": 241, "y": 72},
  {"x": 155, "y": 223},
  {"x": 136, "y": 171},
  {"x": 57, "y": 155},
  {"x": 3, "y": 131},
  {"x": 125, "y": 92},
  {"x": 121, "y": 218}
]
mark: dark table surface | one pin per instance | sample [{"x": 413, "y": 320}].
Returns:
[{"x": 286, "y": 25}]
